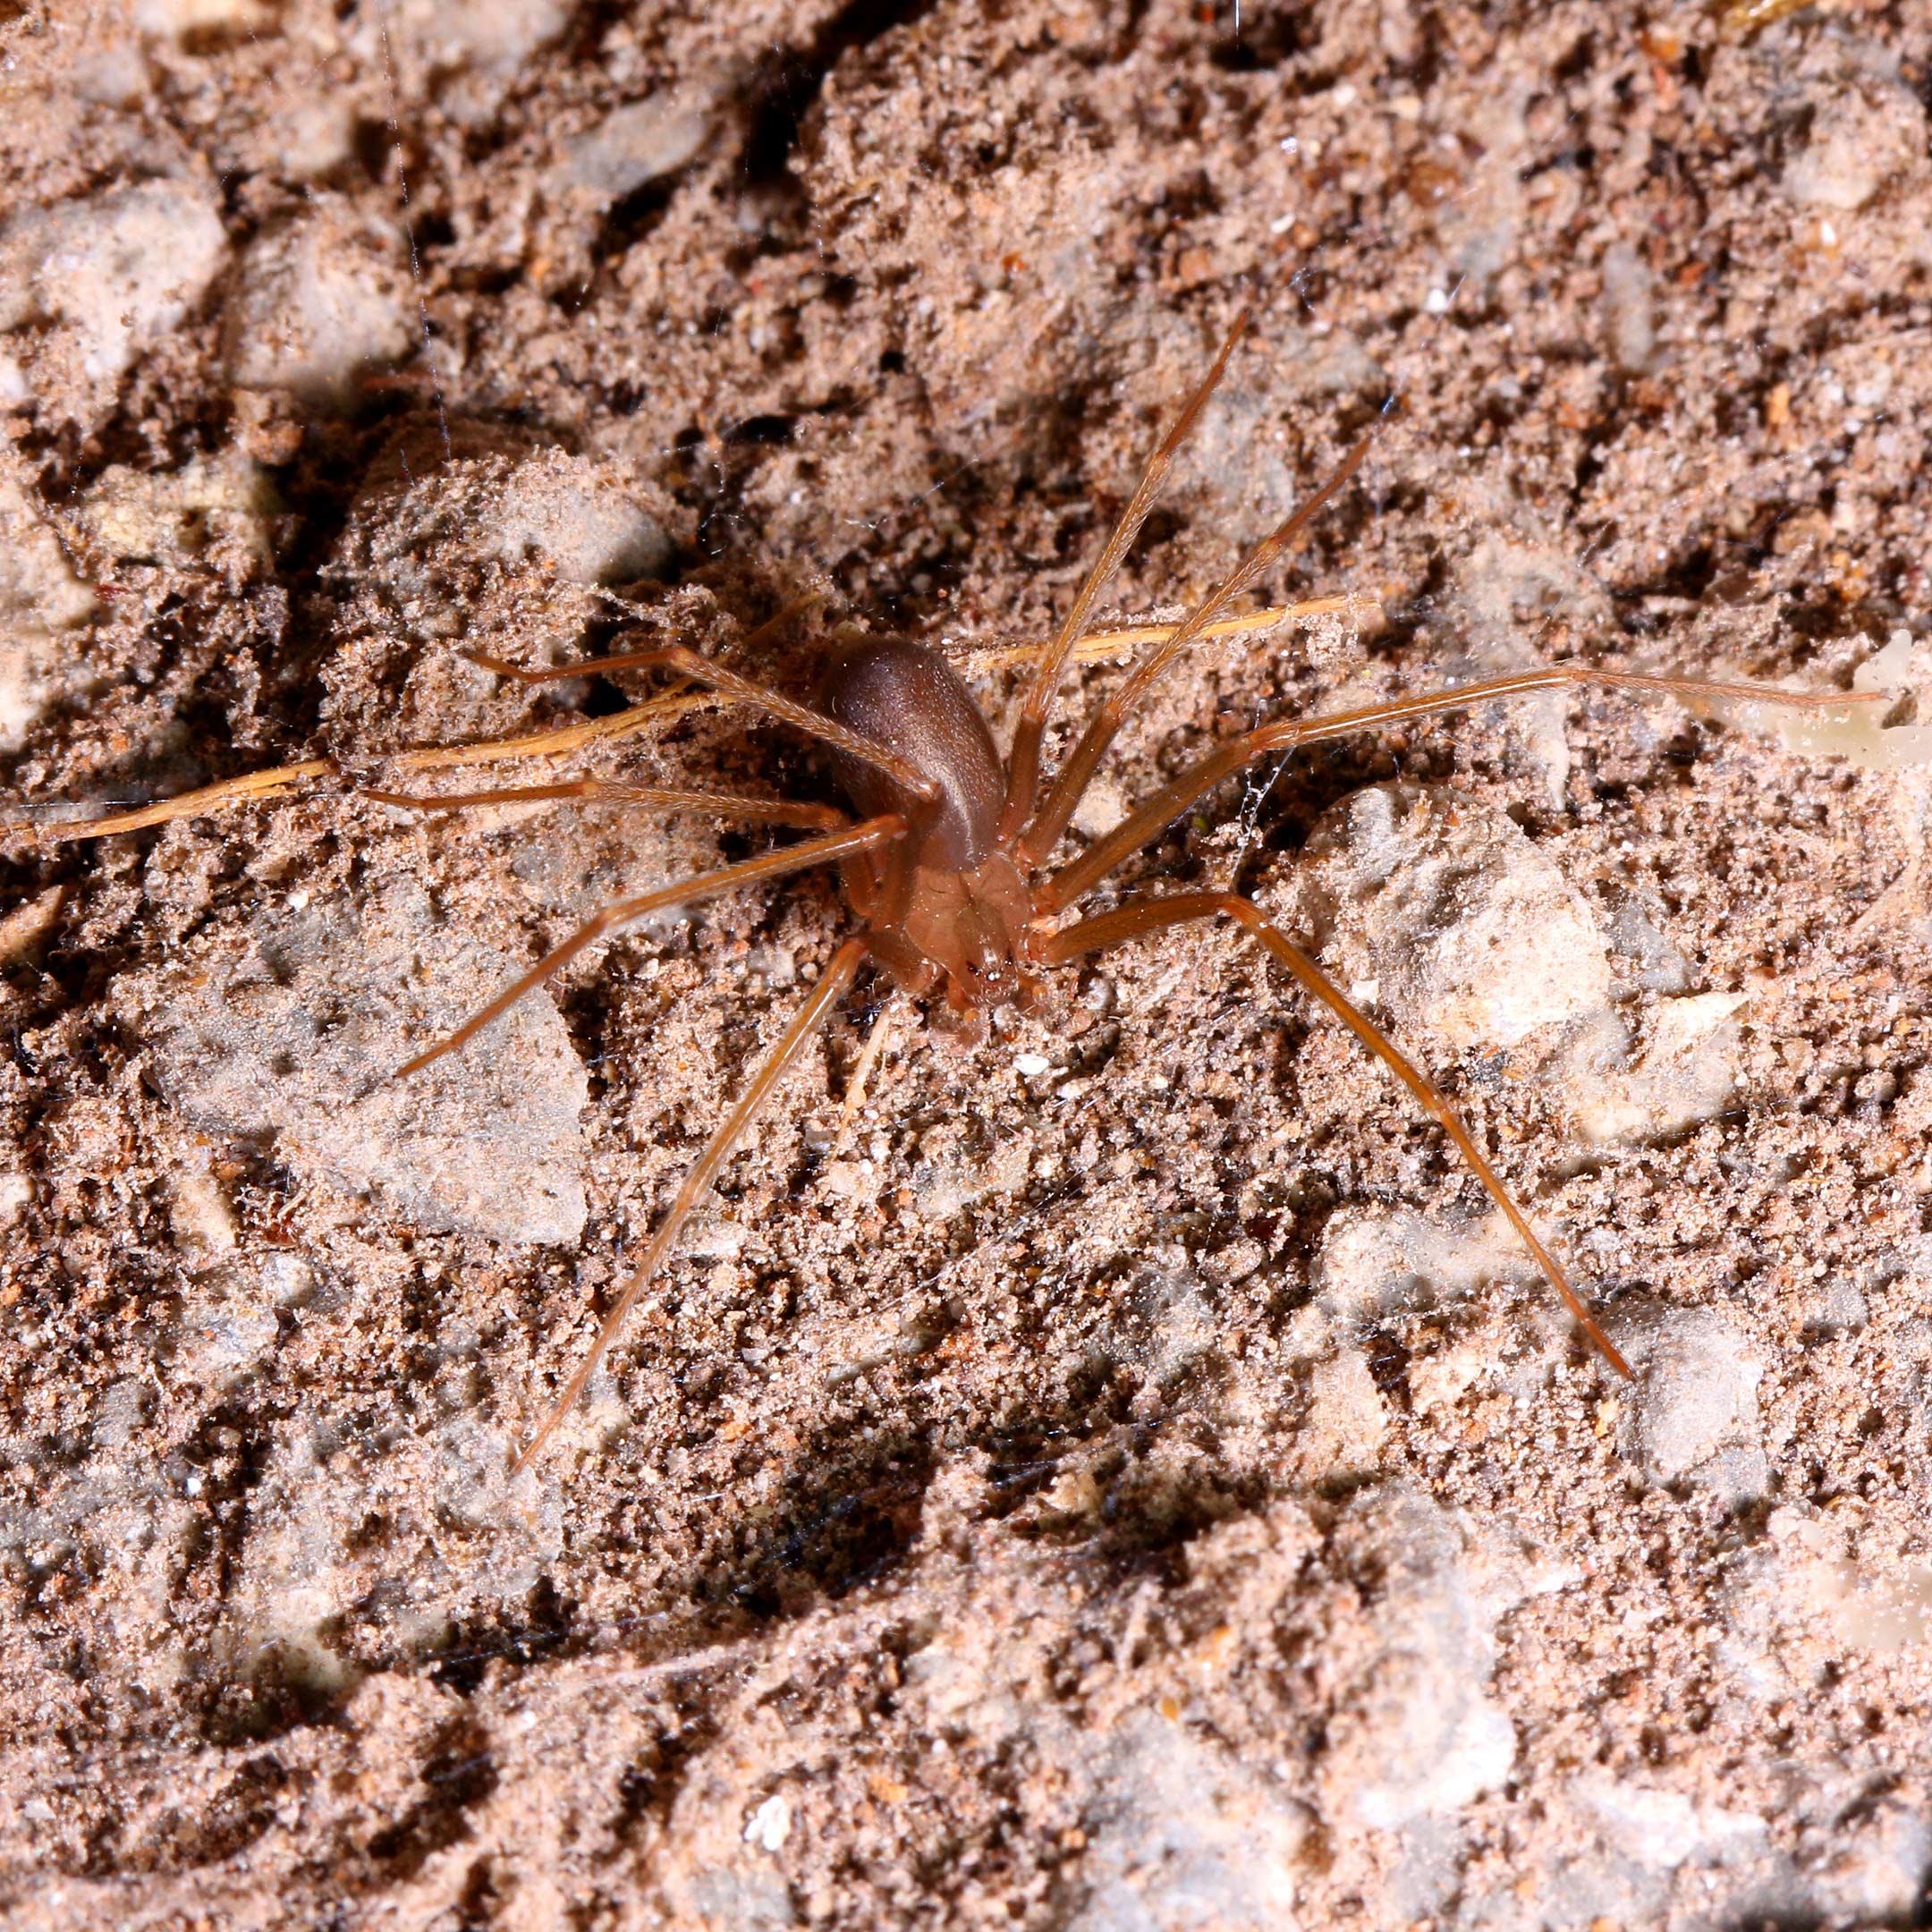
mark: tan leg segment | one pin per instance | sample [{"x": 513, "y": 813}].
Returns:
[
  {"x": 253, "y": 787},
  {"x": 1149, "y": 821},
  {"x": 1023, "y": 768},
  {"x": 861, "y": 1074},
  {"x": 860, "y": 837},
  {"x": 837, "y": 976},
  {"x": 1044, "y": 833},
  {"x": 241, "y": 791},
  {"x": 1098, "y": 646},
  {"x": 700, "y": 670},
  {"x": 602, "y": 792},
  {"x": 664, "y": 711},
  {"x": 1140, "y": 917}
]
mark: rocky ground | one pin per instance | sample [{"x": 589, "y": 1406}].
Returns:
[{"x": 1128, "y": 1478}]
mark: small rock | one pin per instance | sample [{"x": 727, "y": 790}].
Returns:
[
  {"x": 198, "y": 1215},
  {"x": 490, "y": 34},
  {"x": 1375, "y": 1262},
  {"x": 40, "y": 599},
  {"x": 321, "y": 300},
  {"x": 1634, "y": 931},
  {"x": 770, "y": 1825},
  {"x": 119, "y": 1412},
  {"x": 1513, "y": 584},
  {"x": 212, "y": 511},
  {"x": 579, "y": 516},
  {"x": 1347, "y": 1420},
  {"x": 1692, "y": 1413},
  {"x": 1415, "y": 1729},
  {"x": 1166, "y": 1322},
  {"x": 1464, "y": 929},
  {"x": 1686, "y": 1072},
  {"x": 227, "y": 1328},
  {"x": 114, "y": 273},
  {"x": 313, "y": 136},
  {"x": 24, "y": 930},
  {"x": 176, "y": 19},
  {"x": 641, "y": 142},
  {"x": 1867, "y": 132},
  {"x": 1630, "y": 305},
  {"x": 1660, "y": 1829},
  {"x": 1182, "y": 1835},
  {"x": 290, "y": 1033},
  {"x": 1815, "y": 1569}
]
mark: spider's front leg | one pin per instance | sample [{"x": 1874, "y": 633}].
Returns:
[
  {"x": 1148, "y": 821},
  {"x": 1139, "y": 917}
]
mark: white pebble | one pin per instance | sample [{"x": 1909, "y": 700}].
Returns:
[
  {"x": 770, "y": 1825},
  {"x": 641, "y": 142},
  {"x": 1464, "y": 927},
  {"x": 116, "y": 272},
  {"x": 1692, "y": 1413},
  {"x": 320, "y": 301}
]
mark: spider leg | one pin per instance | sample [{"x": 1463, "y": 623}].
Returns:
[
  {"x": 640, "y": 717},
  {"x": 837, "y": 976},
  {"x": 1043, "y": 833},
  {"x": 860, "y": 837},
  {"x": 239, "y": 790},
  {"x": 744, "y": 690},
  {"x": 1022, "y": 767},
  {"x": 1149, "y": 821},
  {"x": 252, "y": 786},
  {"x": 1139, "y": 917},
  {"x": 599, "y": 791},
  {"x": 1097, "y": 645},
  {"x": 861, "y": 1074}
]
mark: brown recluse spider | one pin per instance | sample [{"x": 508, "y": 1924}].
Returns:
[{"x": 945, "y": 863}]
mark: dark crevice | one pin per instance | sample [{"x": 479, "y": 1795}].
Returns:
[
  {"x": 848, "y": 1516},
  {"x": 459, "y": 1773},
  {"x": 790, "y": 82},
  {"x": 1272, "y": 37},
  {"x": 631, "y": 219}
]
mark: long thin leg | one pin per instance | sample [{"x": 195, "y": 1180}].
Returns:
[
  {"x": 262, "y": 785},
  {"x": 700, "y": 670},
  {"x": 837, "y": 976},
  {"x": 254, "y": 786},
  {"x": 605, "y": 792},
  {"x": 861, "y": 1074},
  {"x": 860, "y": 837},
  {"x": 1023, "y": 768},
  {"x": 1097, "y": 645},
  {"x": 1140, "y": 917},
  {"x": 1080, "y": 875},
  {"x": 250, "y": 786},
  {"x": 1043, "y": 833},
  {"x": 627, "y": 723}
]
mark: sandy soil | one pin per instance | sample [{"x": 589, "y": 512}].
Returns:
[{"x": 1134, "y": 1482}]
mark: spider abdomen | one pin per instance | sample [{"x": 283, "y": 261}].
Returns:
[{"x": 910, "y": 699}]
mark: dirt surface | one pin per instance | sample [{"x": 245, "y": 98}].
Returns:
[{"x": 1133, "y": 1481}]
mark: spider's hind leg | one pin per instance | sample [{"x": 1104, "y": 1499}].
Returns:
[{"x": 1140, "y": 917}]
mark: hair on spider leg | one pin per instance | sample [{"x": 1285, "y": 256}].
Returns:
[{"x": 946, "y": 849}]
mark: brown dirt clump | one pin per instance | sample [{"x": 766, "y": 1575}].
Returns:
[{"x": 1134, "y": 1483}]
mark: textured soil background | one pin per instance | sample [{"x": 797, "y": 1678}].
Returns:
[{"x": 1133, "y": 1482}]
